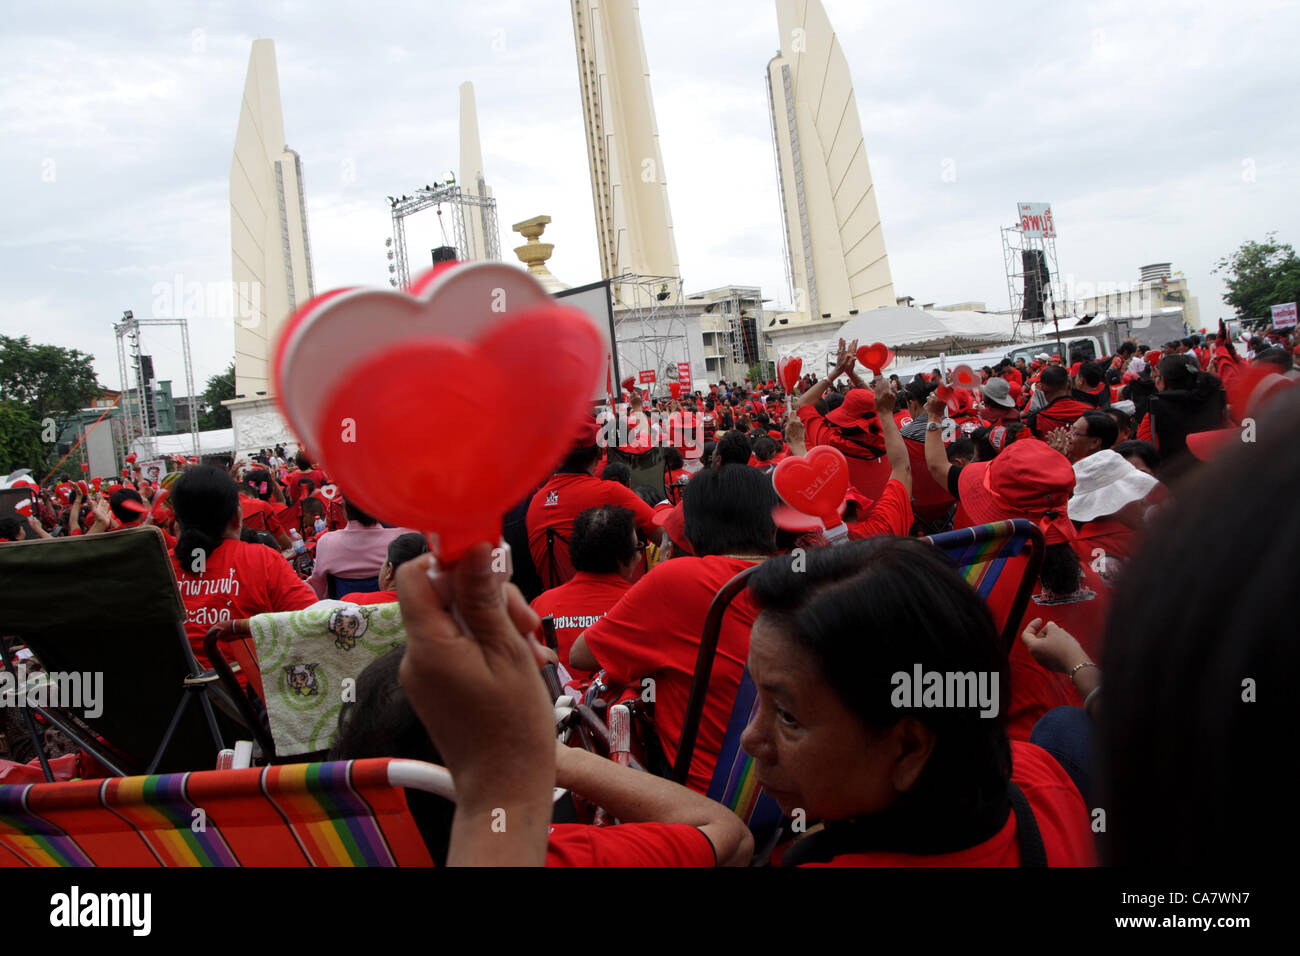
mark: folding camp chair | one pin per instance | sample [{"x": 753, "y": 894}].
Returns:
[
  {"x": 1001, "y": 561},
  {"x": 336, "y": 587},
  {"x": 649, "y": 468},
  {"x": 106, "y": 609},
  {"x": 734, "y": 783},
  {"x": 344, "y": 813}
]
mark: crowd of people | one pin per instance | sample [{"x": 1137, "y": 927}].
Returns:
[{"x": 1126, "y": 725}]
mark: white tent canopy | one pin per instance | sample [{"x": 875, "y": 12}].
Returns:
[
  {"x": 910, "y": 333},
  {"x": 918, "y": 332},
  {"x": 220, "y": 441}
]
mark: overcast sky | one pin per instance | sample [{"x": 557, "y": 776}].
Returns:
[{"x": 1158, "y": 131}]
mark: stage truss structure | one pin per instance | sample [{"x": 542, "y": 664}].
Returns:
[
  {"x": 133, "y": 422},
  {"x": 1024, "y": 258},
  {"x": 461, "y": 205},
  {"x": 650, "y": 325}
]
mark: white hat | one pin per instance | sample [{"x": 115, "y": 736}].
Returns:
[
  {"x": 1043, "y": 356},
  {"x": 1104, "y": 483}
]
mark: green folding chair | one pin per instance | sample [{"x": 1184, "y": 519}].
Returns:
[{"x": 104, "y": 611}]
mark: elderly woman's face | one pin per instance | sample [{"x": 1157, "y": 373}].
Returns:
[{"x": 812, "y": 754}]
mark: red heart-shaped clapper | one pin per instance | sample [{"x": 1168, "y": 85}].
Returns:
[
  {"x": 629, "y": 383},
  {"x": 139, "y": 507},
  {"x": 356, "y": 370},
  {"x": 132, "y": 457},
  {"x": 787, "y": 371},
  {"x": 329, "y": 492},
  {"x": 126, "y": 473},
  {"x": 875, "y": 356},
  {"x": 944, "y": 393},
  {"x": 85, "y": 491},
  {"x": 814, "y": 484},
  {"x": 963, "y": 376},
  {"x": 95, "y": 483}
]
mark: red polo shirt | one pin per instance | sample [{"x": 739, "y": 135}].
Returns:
[
  {"x": 562, "y": 499},
  {"x": 1059, "y": 812},
  {"x": 654, "y": 631},
  {"x": 576, "y": 606}
]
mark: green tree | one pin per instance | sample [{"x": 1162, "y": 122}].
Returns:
[
  {"x": 20, "y": 440},
  {"x": 47, "y": 379},
  {"x": 212, "y": 414},
  {"x": 1260, "y": 275}
]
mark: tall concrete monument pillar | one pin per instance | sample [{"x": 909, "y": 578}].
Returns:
[
  {"x": 836, "y": 249},
  {"x": 270, "y": 251}
]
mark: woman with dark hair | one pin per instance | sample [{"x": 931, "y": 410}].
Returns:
[
  {"x": 654, "y": 630},
  {"x": 355, "y": 552},
  {"x": 1185, "y": 401},
  {"x": 256, "y": 494},
  {"x": 400, "y": 550},
  {"x": 303, "y": 469},
  {"x": 881, "y": 683},
  {"x": 222, "y": 578}
]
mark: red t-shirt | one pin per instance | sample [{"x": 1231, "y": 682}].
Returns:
[
  {"x": 259, "y": 514},
  {"x": 654, "y": 631},
  {"x": 370, "y": 597},
  {"x": 891, "y": 514},
  {"x": 562, "y": 499},
  {"x": 296, "y": 476},
  {"x": 629, "y": 844},
  {"x": 1058, "y": 810},
  {"x": 239, "y": 580},
  {"x": 576, "y": 606}
]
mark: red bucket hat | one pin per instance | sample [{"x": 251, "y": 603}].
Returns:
[
  {"x": 672, "y": 518},
  {"x": 1029, "y": 479}
]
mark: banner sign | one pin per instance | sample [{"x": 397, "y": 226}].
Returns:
[
  {"x": 647, "y": 376},
  {"x": 1036, "y": 220},
  {"x": 1284, "y": 316}
]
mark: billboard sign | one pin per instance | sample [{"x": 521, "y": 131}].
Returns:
[{"x": 1036, "y": 220}]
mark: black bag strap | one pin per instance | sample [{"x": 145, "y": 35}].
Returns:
[
  {"x": 1028, "y": 837},
  {"x": 824, "y": 845}
]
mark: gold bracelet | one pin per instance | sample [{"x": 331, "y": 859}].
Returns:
[{"x": 1077, "y": 667}]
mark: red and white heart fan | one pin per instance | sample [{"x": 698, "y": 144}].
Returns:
[{"x": 363, "y": 373}]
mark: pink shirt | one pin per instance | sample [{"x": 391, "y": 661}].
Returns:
[{"x": 354, "y": 552}]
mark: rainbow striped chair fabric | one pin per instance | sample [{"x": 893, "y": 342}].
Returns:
[
  {"x": 343, "y": 813},
  {"x": 1001, "y": 561}
]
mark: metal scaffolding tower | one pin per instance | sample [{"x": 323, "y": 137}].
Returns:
[
  {"x": 135, "y": 424},
  {"x": 461, "y": 203},
  {"x": 1033, "y": 278},
  {"x": 650, "y": 323}
]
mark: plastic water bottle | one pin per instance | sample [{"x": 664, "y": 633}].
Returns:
[
  {"x": 296, "y": 540},
  {"x": 320, "y": 525}
]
